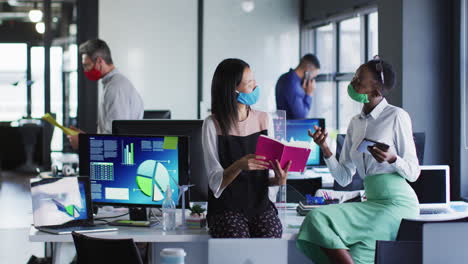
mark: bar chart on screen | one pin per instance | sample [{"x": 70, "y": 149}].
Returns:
[{"x": 128, "y": 154}]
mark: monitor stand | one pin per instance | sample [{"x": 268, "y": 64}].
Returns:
[{"x": 138, "y": 214}]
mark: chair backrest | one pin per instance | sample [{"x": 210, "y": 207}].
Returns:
[
  {"x": 357, "y": 182},
  {"x": 91, "y": 250},
  {"x": 247, "y": 251},
  {"x": 445, "y": 243},
  {"x": 412, "y": 230},
  {"x": 401, "y": 252},
  {"x": 420, "y": 142}
]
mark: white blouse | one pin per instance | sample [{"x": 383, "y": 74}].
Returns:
[{"x": 386, "y": 124}]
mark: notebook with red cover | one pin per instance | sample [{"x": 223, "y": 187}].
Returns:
[{"x": 298, "y": 152}]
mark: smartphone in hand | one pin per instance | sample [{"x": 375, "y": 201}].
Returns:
[
  {"x": 371, "y": 143},
  {"x": 307, "y": 77}
]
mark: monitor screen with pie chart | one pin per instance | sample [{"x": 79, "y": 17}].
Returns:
[{"x": 134, "y": 170}]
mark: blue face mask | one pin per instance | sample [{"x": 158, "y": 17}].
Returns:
[{"x": 249, "y": 98}]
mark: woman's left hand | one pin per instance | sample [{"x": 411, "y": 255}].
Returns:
[
  {"x": 382, "y": 156},
  {"x": 281, "y": 174}
]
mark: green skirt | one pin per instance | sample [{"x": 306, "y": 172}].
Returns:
[{"x": 357, "y": 226}]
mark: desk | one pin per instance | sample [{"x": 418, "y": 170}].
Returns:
[{"x": 194, "y": 242}]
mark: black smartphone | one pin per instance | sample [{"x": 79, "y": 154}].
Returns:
[{"x": 372, "y": 143}]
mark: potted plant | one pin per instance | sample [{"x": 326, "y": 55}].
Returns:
[{"x": 197, "y": 217}]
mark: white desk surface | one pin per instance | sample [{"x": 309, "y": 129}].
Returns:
[
  {"x": 291, "y": 222},
  {"x": 156, "y": 234}
]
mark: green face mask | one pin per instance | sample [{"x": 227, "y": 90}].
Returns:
[{"x": 361, "y": 98}]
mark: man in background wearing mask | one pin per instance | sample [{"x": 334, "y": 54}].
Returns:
[
  {"x": 295, "y": 88},
  {"x": 120, "y": 100}
]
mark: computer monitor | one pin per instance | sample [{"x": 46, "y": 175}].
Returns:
[
  {"x": 189, "y": 128},
  {"x": 157, "y": 114},
  {"x": 296, "y": 130},
  {"x": 134, "y": 171}
]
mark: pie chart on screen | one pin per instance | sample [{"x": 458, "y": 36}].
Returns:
[{"x": 152, "y": 179}]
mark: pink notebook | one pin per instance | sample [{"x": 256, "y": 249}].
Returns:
[{"x": 298, "y": 152}]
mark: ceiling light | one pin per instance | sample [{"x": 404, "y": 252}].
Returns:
[
  {"x": 248, "y": 6},
  {"x": 40, "y": 27},
  {"x": 35, "y": 15}
]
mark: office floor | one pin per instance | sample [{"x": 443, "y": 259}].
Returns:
[{"x": 16, "y": 219}]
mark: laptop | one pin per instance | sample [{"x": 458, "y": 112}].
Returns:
[
  {"x": 63, "y": 205},
  {"x": 433, "y": 190}
]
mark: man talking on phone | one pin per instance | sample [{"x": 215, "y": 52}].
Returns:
[{"x": 295, "y": 88}]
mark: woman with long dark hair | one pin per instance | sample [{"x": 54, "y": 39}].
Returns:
[
  {"x": 238, "y": 203},
  {"x": 347, "y": 233}
]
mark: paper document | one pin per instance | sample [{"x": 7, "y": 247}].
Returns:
[{"x": 48, "y": 117}]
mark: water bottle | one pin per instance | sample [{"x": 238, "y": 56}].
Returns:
[{"x": 169, "y": 211}]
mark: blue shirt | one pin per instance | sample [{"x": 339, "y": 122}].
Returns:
[{"x": 291, "y": 97}]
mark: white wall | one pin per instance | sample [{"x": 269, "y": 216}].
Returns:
[
  {"x": 154, "y": 43},
  {"x": 267, "y": 39}
]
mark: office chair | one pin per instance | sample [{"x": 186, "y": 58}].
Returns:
[
  {"x": 92, "y": 250},
  {"x": 357, "y": 182},
  {"x": 401, "y": 252}
]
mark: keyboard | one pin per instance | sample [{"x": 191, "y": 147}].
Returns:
[
  {"x": 78, "y": 229},
  {"x": 428, "y": 211},
  {"x": 71, "y": 225}
]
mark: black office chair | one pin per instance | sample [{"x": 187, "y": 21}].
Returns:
[
  {"x": 357, "y": 182},
  {"x": 92, "y": 250},
  {"x": 401, "y": 252}
]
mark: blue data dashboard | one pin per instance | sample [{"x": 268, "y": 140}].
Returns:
[{"x": 133, "y": 170}]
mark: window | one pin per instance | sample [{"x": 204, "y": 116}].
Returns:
[
  {"x": 350, "y": 45},
  {"x": 37, "y": 91},
  {"x": 373, "y": 34},
  {"x": 13, "y": 81},
  {"x": 325, "y": 43},
  {"x": 341, "y": 46}
]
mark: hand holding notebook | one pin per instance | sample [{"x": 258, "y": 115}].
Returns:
[{"x": 298, "y": 152}]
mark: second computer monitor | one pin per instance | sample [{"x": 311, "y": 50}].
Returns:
[{"x": 296, "y": 130}]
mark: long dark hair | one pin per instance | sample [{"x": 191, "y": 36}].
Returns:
[{"x": 227, "y": 76}]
